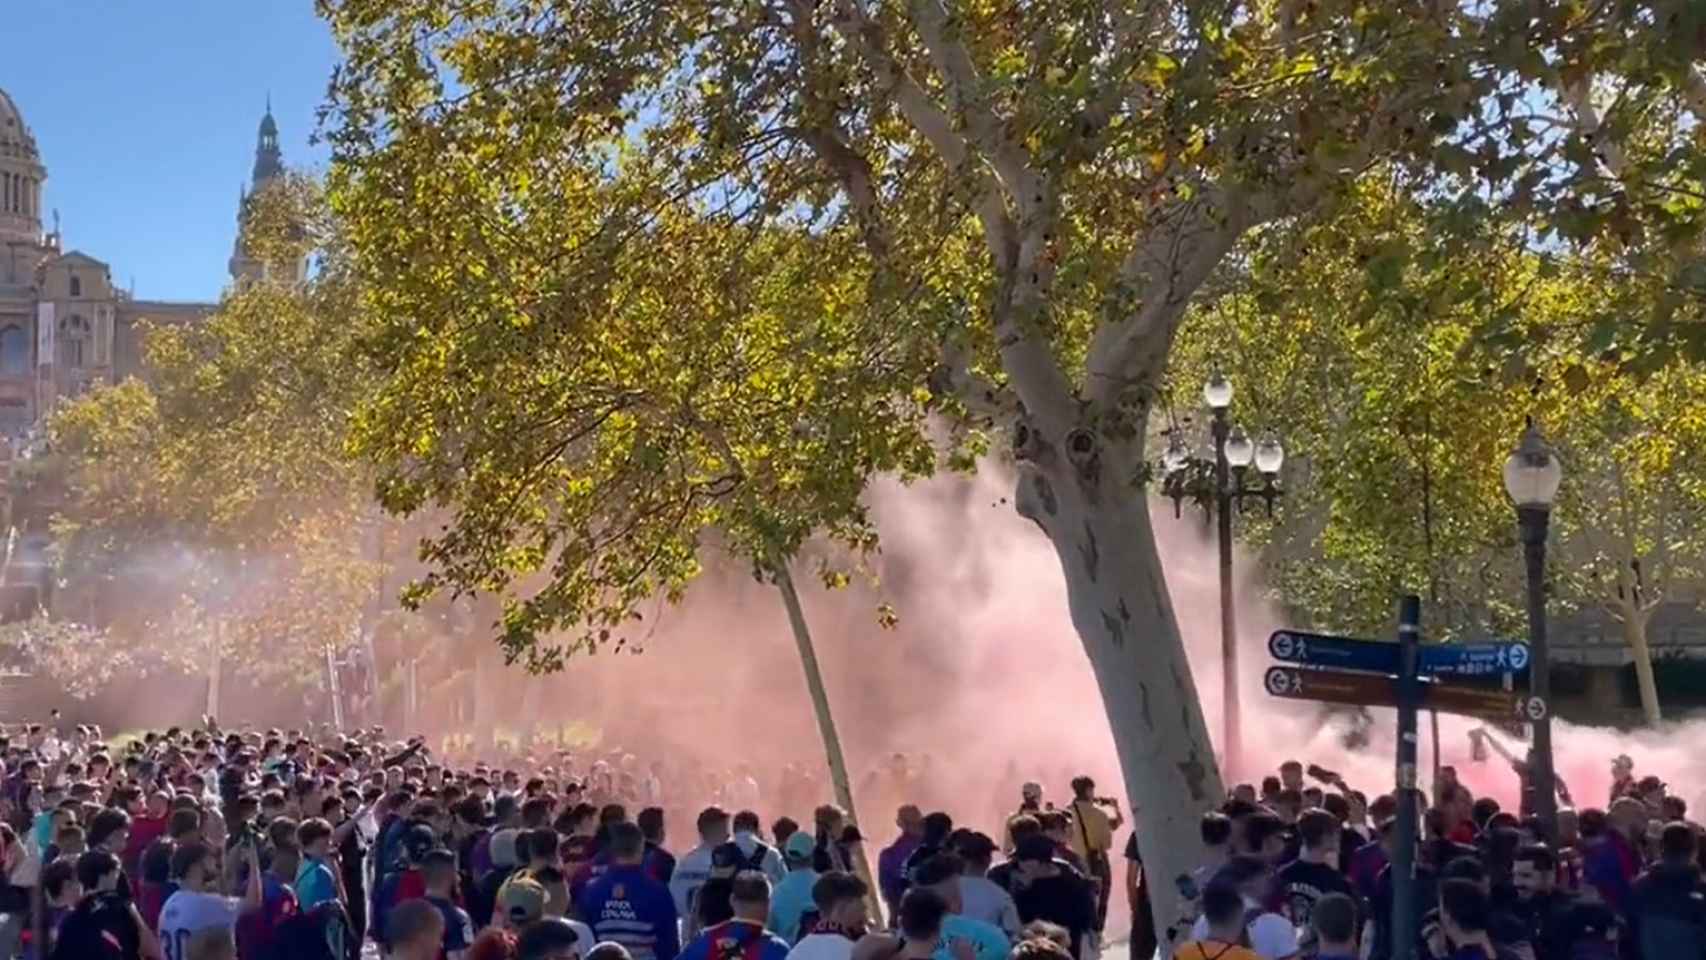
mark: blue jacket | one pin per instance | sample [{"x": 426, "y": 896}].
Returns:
[
  {"x": 629, "y": 907},
  {"x": 736, "y": 939}
]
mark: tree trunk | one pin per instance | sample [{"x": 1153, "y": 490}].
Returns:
[
  {"x": 1635, "y": 633},
  {"x": 215, "y": 636},
  {"x": 825, "y": 721},
  {"x": 1100, "y": 526}
]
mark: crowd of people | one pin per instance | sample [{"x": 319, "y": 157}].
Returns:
[
  {"x": 206, "y": 844},
  {"x": 1299, "y": 870}
]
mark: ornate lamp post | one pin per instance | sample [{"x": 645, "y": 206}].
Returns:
[
  {"x": 1532, "y": 476},
  {"x": 1218, "y": 485}
]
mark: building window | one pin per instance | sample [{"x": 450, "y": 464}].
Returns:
[
  {"x": 76, "y": 285},
  {"x": 14, "y": 351}
]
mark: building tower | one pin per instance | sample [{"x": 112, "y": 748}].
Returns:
[
  {"x": 21, "y": 176},
  {"x": 269, "y": 166}
]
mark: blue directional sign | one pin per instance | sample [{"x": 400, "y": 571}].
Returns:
[
  {"x": 1345, "y": 653},
  {"x": 1374, "y": 656}
]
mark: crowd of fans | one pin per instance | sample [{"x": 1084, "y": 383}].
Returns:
[{"x": 206, "y": 844}]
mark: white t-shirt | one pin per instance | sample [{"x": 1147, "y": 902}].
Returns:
[
  {"x": 822, "y": 946},
  {"x": 187, "y": 913},
  {"x": 1271, "y": 935}
]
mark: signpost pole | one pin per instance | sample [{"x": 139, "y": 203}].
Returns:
[{"x": 1404, "y": 919}]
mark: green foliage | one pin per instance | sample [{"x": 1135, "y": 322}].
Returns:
[{"x": 214, "y": 503}]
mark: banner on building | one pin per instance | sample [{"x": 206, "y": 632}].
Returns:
[{"x": 45, "y": 326}]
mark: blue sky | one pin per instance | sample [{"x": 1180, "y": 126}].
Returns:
[{"x": 146, "y": 113}]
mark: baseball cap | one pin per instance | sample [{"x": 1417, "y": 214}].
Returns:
[
  {"x": 522, "y": 901},
  {"x": 800, "y": 846}
]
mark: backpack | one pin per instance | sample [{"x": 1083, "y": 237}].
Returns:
[{"x": 317, "y": 934}]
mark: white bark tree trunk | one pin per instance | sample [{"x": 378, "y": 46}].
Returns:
[
  {"x": 838, "y": 776},
  {"x": 1635, "y": 634},
  {"x": 1100, "y": 527}
]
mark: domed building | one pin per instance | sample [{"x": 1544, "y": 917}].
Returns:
[{"x": 64, "y": 326}]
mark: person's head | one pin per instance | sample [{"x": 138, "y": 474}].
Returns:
[
  {"x": 941, "y": 873},
  {"x": 1630, "y": 816},
  {"x": 1031, "y": 796},
  {"x": 59, "y": 883},
  {"x": 937, "y": 826},
  {"x": 1482, "y": 810},
  {"x": 70, "y": 840},
  {"x": 1083, "y": 788},
  {"x": 184, "y": 825},
  {"x": 521, "y": 902},
  {"x": 650, "y": 822},
  {"x": 798, "y": 851},
  {"x": 98, "y": 871},
  {"x": 1319, "y": 832},
  {"x": 195, "y": 866},
  {"x": 1223, "y": 910},
  {"x": 314, "y": 838},
  {"x": 415, "y": 930},
  {"x": 910, "y": 820},
  {"x": 1334, "y": 920},
  {"x": 749, "y": 896},
  {"x": 1288, "y": 804},
  {"x": 1677, "y": 844},
  {"x": 1463, "y": 911},
  {"x": 542, "y": 847},
  {"x": 1250, "y": 875},
  {"x": 1035, "y": 856},
  {"x": 1056, "y": 824},
  {"x": 609, "y": 950},
  {"x": 1264, "y": 837},
  {"x": 840, "y": 900},
  {"x": 286, "y": 860},
  {"x": 977, "y": 852},
  {"x": 552, "y": 938},
  {"x": 1470, "y": 870},
  {"x": 109, "y": 830},
  {"x": 713, "y": 825},
  {"x": 627, "y": 846},
  {"x": 1535, "y": 872},
  {"x": 1291, "y": 775},
  {"x": 921, "y": 913},
  {"x": 438, "y": 871}
]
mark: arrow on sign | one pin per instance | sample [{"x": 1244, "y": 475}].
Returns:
[{"x": 1370, "y": 690}]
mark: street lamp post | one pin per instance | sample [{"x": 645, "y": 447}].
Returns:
[
  {"x": 1532, "y": 476},
  {"x": 1218, "y": 486}
]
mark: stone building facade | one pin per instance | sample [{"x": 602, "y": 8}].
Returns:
[{"x": 64, "y": 325}]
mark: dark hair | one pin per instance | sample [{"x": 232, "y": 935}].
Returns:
[
  {"x": 535, "y": 811},
  {"x": 1384, "y": 807},
  {"x": 183, "y": 823},
  {"x": 1463, "y": 901},
  {"x": 56, "y": 875},
  {"x": 1022, "y": 827},
  {"x": 410, "y": 920},
  {"x": 313, "y": 830},
  {"x": 1482, "y": 810},
  {"x": 1258, "y": 827},
  {"x": 975, "y": 848},
  {"x": 746, "y": 822},
  {"x": 187, "y": 856},
  {"x": 1081, "y": 786},
  {"x": 1216, "y": 828},
  {"x": 1318, "y": 829},
  {"x": 440, "y": 862},
  {"x": 1591, "y": 823},
  {"x": 1222, "y": 903},
  {"x": 1334, "y": 918},
  {"x": 470, "y": 810},
  {"x": 650, "y": 822},
  {"x": 541, "y": 844},
  {"x": 1054, "y": 820},
  {"x": 710, "y": 818},
  {"x": 1464, "y": 868},
  {"x": 1236, "y": 809},
  {"x": 937, "y": 826},
  {"x": 105, "y": 824},
  {"x": 1540, "y": 855},
  {"x": 749, "y": 886},
  {"x": 94, "y": 865},
  {"x": 921, "y": 913},
  {"x": 1337, "y": 805},
  {"x": 836, "y": 887},
  {"x": 626, "y": 841},
  {"x": 941, "y": 868},
  {"x": 1270, "y": 786},
  {"x": 1677, "y": 842}
]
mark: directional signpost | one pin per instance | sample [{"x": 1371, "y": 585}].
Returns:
[{"x": 1375, "y": 690}]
